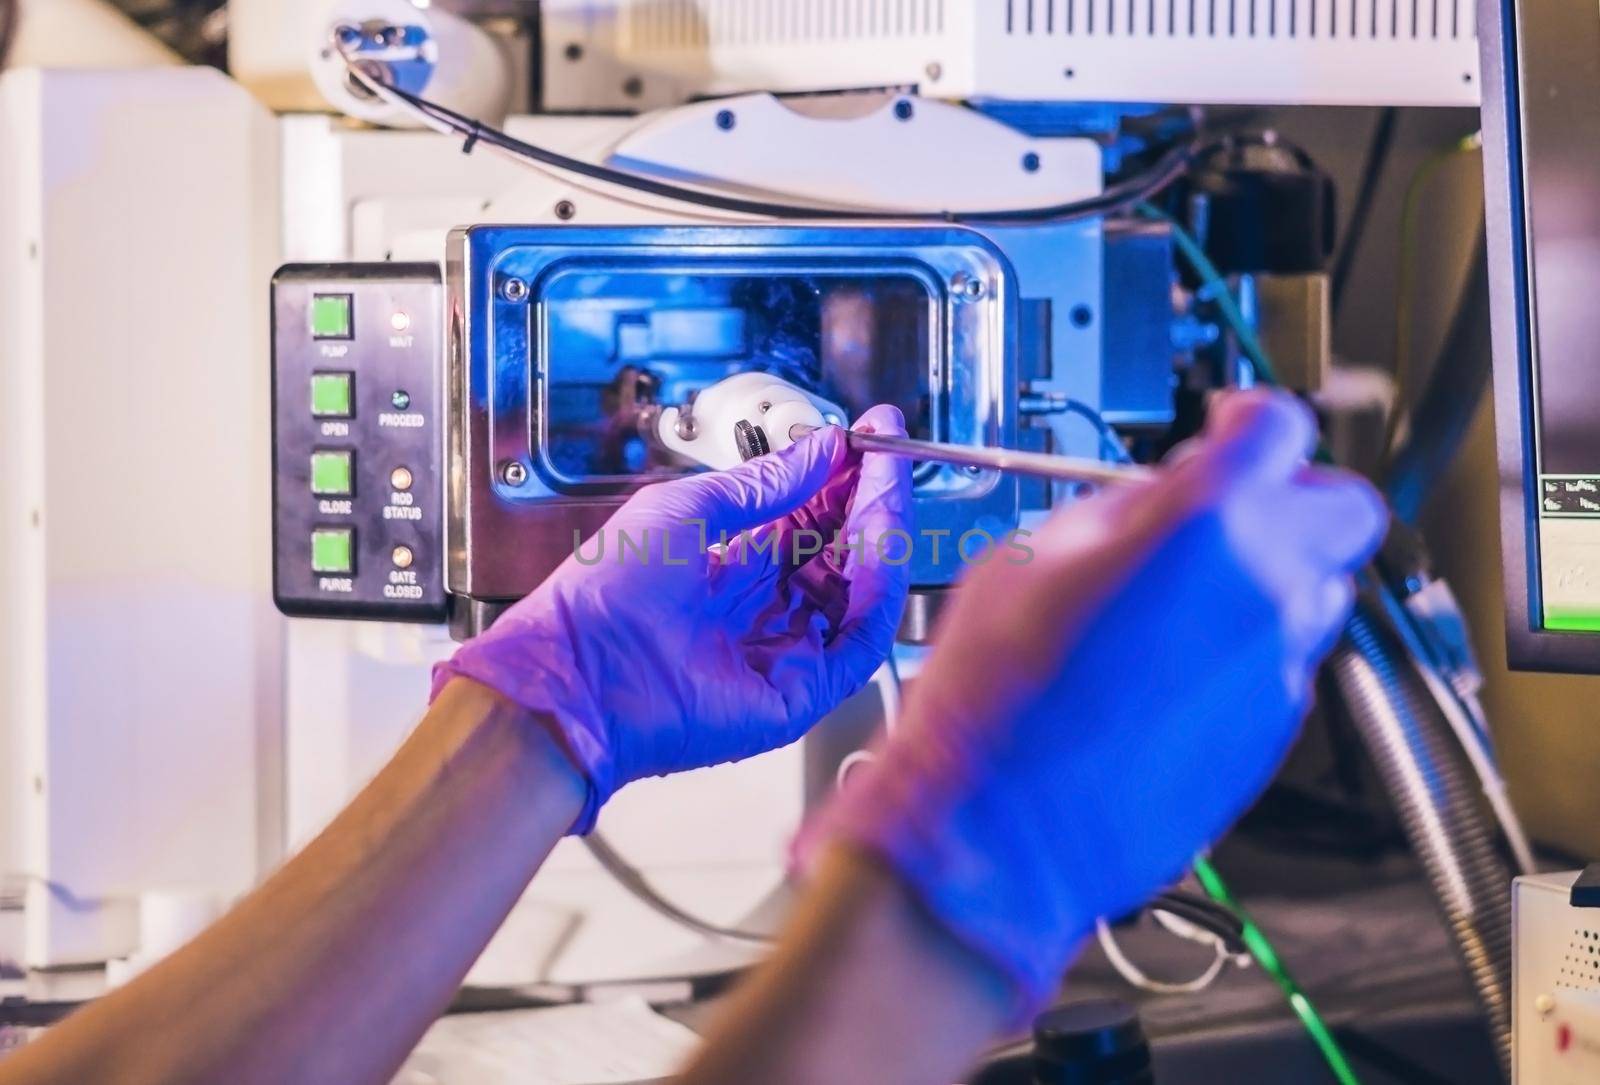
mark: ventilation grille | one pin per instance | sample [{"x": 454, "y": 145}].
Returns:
[
  {"x": 698, "y": 24},
  {"x": 1338, "y": 20},
  {"x": 1580, "y": 968}
]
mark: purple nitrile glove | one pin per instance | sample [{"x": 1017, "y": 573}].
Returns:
[
  {"x": 651, "y": 652},
  {"x": 1091, "y": 718}
]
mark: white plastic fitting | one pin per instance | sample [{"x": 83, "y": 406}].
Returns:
[{"x": 707, "y": 431}]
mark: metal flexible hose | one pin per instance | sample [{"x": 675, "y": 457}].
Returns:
[{"x": 1433, "y": 792}]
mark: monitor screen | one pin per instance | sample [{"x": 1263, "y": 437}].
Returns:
[{"x": 1542, "y": 143}]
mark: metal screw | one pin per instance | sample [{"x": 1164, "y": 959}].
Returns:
[
  {"x": 726, "y": 120},
  {"x": 935, "y": 70},
  {"x": 514, "y": 290},
  {"x": 1030, "y": 162},
  {"x": 513, "y": 473},
  {"x": 973, "y": 469},
  {"x": 686, "y": 429},
  {"x": 565, "y": 210},
  {"x": 967, "y": 286},
  {"x": 903, "y": 109},
  {"x": 764, "y": 407}
]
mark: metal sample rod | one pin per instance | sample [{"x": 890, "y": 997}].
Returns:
[{"x": 1036, "y": 464}]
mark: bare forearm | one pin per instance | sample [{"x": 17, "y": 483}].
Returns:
[
  {"x": 863, "y": 987},
  {"x": 331, "y": 971}
]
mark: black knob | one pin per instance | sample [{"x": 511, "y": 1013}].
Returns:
[
  {"x": 1091, "y": 1043},
  {"x": 751, "y": 440}
]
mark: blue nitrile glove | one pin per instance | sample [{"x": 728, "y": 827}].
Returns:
[
  {"x": 650, "y": 652},
  {"x": 1091, "y": 718}
]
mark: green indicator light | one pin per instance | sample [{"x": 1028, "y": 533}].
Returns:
[
  {"x": 333, "y": 550},
  {"x": 330, "y": 316},
  {"x": 333, "y": 395},
  {"x": 1571, "y": 620},
  {"x": 333, "y": 473}
]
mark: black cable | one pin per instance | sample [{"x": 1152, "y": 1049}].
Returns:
[
  {"x": 1444, "y": 411},
  {"x": 1205, "y": 915},
  {"x": 1116, "y": 198},
  {"x": 10, "y": 15},
  {"x": 629, "y": 877},
  {"x": 1366, "y": 195},
  {"x": 1179, "y": 900}
]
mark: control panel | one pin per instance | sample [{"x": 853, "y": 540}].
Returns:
[
  {"x": 358, "y": 503},
  {"x": 1555, "y": 986}
]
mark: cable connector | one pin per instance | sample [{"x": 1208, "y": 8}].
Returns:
[
  {"x": 1032, "y": 404},
  {"x": 1037, "y": 403}
]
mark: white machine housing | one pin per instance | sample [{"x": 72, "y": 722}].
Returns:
[
  {"x": 634, "y": 55},
  {"x": 627, "y": 53},
  {"x": 1555, "y": 984},
  {"x": 140, "y": 655}
]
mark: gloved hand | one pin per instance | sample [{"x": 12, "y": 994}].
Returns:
[
  {"x": 651, "y": 652},
  {"x": 1091, "y": 718}
]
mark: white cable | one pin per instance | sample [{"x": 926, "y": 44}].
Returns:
[
  {"x": 887, "y": 679},
  {"x": 1471, "y": 739},
  {"x": 1135, "y": 976},
  {"x": 1183, "y": 928},
  {"x": 852, "y": 761}
]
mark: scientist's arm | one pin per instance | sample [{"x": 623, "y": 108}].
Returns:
[
  {"x": 864, "y": 987},
  {"x": 667, "y": 654},
  {"x": 331, "y": 970},
  {"x": 1102, "y": 701}
]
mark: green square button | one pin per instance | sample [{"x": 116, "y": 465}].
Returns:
[
  {"x": 333, "y": 550},
  {"x": 333, "y": 473},
  {"x": 333, "y": 395},
  {"x": 330, "y": 316}
]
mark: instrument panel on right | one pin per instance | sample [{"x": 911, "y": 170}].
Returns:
[{"x": 1542, "y": 162}]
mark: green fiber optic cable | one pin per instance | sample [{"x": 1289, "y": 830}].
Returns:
[
  {"x": 1267, "y": 957},
  {"x": 1248, "y": 342},
  {"x": 1254, "y": 939},
  {"x": 1197, "y": 259}
]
